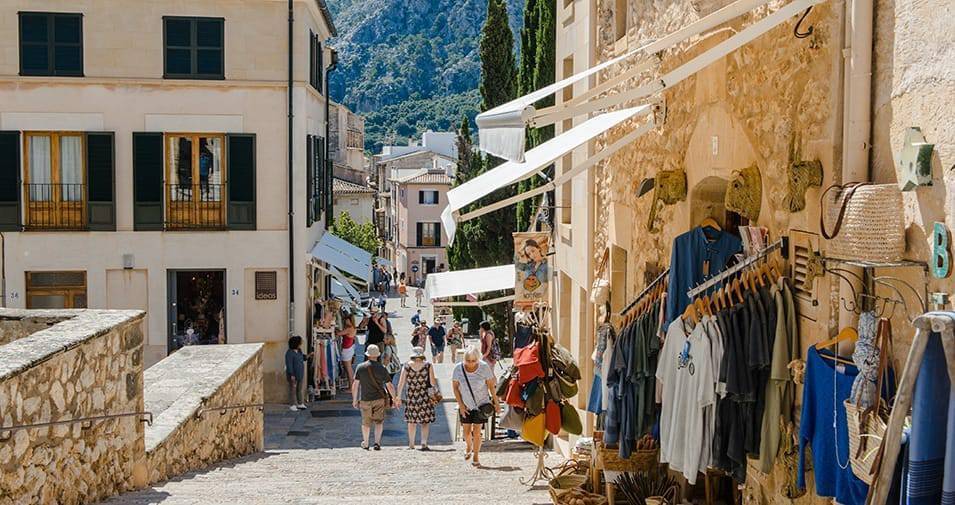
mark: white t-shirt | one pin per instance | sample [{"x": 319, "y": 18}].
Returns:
[
  {"x": 688, "y": 389},
  {"x": 478, "y": 380}
]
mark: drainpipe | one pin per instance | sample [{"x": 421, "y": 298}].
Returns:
[
  {"x": 3, "y": 270},
  {"x": 857, "y": 108},
  {"x": 329, "y": 201},
  {"x": 291, "y": 166}
]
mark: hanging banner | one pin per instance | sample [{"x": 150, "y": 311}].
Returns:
[{"x": 533, "y": 271}]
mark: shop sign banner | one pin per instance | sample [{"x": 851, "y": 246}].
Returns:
[{"x": 533, "y": 271}]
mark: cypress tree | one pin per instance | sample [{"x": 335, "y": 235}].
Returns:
[{"x": 498, "y": 71}]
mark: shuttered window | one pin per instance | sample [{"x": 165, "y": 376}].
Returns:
[
  {"x": 147, "y": 181},
  {"x": 803, "y": 245},
  {"x": 266, "y": 285},
  {"x": 427, "y": 197},
  {"x": 309, "y": 180},
  {"x": 315, "y": 62},
  {"x": 194, "y": 48},
  {"x": 51, "y": 44},
  {"x": 10, "y": 189},
  {"x": 100, "y": 168},
  {"x": 241, "y": 156},
  {"x": 429, "y": 235}
]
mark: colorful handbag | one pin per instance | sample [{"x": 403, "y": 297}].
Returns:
[
  {"x": 552, "y": 417},
  {"x": 570, "y": 419},
  {"x": 513, "y": 397},
  {"x": 534, "y": 430}
]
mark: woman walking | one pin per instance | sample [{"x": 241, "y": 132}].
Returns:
[
  {"x": 377, "y": 328},
  {"x": 419, "y": 333},
  {"x": 489, "y": 350},
  {"x": 295, "y": 373},
  {"x": 418, "y": 375},
  {"x": 455, "y": 340},
  {"x": 473, "y": 383},
  {"x": 347, "y": 335},
  {"x": 389, "y": 356},
  {"x": 403, "y": 292}
]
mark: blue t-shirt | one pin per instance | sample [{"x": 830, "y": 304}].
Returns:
[
  {"x": 437, "y": 334},
  {"x": 830, "y": 446}
]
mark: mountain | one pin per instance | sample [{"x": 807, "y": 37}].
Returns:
[{"x": 410, "y": 65}]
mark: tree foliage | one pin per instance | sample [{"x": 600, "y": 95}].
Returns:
[
  {"x": 362, "y": 235},
  {"x": 498, "y": 70},
  {"x": 538, "y": 54}
]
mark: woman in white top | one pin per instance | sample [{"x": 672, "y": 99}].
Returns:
[{"x": 473, "y": 383}]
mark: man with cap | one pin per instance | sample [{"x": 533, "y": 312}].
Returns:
[{"x": 373, "y": 394}]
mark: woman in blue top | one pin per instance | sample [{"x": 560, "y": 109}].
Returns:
[{"x": 295, "y": 372}]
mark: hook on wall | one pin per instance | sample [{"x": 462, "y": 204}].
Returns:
[{"x": 808, "y": 32}]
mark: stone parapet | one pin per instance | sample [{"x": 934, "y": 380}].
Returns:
[
  {"x": 81, "y": 364},
  {"x": 186, "y": 393}
]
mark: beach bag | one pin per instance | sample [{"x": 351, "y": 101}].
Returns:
[
  {"x": 504, "y": 383},
  {"x": 552, "y": 417},
  {"x": 512, "y": 419},
  {"x": 533, "y": 430},
  {"x": 568, "y": 388},
  {"x": 867, "y": 221},
  {"x": 570, "y": 419},
  {"x": 528, "y": 363},
  {"x": 513, "y": 396},
  {"x": 535, "y": 398},
  {"x": 564, "y": 364},
  {"x": 867, "y": 425}
]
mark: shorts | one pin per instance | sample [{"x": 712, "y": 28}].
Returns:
[
  {"x": 436, "y": 349},
  {"x": 473, "y": 417},
  {"x": 348, "y": 354},
  {"x": 372, "y": 412}
]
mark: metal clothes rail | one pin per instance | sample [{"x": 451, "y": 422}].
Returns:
[
  {"x": 646, "y": 290},
  {"x": 782, "y": 244}
]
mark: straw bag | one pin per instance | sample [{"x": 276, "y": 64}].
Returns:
[
  {"x": 867, "y": 425},
  {"x": 869, "y": 222}
]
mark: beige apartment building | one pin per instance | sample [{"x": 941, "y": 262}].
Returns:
[
  {"x": 145, "y": 147},
  {"x": 419, "y": 199}
]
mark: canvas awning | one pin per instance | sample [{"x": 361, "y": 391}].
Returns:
[
  {"x": 470, "y": 282},
  {"x": 538, "y": 159},
  {"x": 344, "y": 256},
  {"x": 501, "y": 129},
  {"x": 342, "y": 286}
]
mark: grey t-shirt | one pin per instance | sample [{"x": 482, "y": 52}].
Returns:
[
  {"x": 372, "y": 379},
  {"x": 478, "y": 380}
]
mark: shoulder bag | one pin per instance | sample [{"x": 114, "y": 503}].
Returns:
[
  {"x": 486, "y": 409},
  {"x": 381, "y": 389},
  {"x": 433, "y": 391},
  {"x": 869, "y": 222}
]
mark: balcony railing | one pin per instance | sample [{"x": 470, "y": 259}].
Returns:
[
  {"x": 55, "y": 207},
  {"x": 195, "y": 206}
]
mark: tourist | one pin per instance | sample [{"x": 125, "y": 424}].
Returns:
[
  {"x": 416, "y": 318},
  {"x": 419, "y": 333},
  {"x": 377, "y": 328},
  {"x": 295, "y": 373},
  {"x": 389, "y": 356},
  {"x": 348, "y": 336},
  {"x": 418, "y": 295},
  {"x": 455, "y": 340},
  {"x": 421, "y": 396},
  {"x": 372, "y": 392},
  {"x": 473, "y": 382},
  {"x": 490, "y": 351},
  {"x": 403, "y": 293},
  {"x": 438, "y": 338}
]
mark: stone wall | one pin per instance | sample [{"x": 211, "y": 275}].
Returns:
[
  {"x": 15, "y": 327},
  {"x": 88, "y": 364},
  {"x": 184, "y": 392}
]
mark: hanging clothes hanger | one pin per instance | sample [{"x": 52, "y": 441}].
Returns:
[
  {"x": 848, "y": 334},
  {"x": 690, "y": 314},
  {"x": 709, "y": 222}
]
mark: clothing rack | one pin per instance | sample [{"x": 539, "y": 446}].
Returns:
[
  {"x": 323, "y": 384},
  {"x": 782, "y": 244},
  {"x": 645, "y": 291}
]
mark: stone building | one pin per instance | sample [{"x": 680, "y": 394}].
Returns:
[
  {"x": 746, "y": 86},
  {"x": 420, "y": 248},
  {"x": 357, "y": 200},
  {"x": 346, "y": 141},
  {"x": 145, "y": 145}
]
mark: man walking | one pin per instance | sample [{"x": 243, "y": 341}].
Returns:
[
  {"x": 438, "y": 340},
  {"x": 373, "y": 394},
  {"x": 416, "y": 318}
]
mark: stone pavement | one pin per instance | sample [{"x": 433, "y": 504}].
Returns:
[{"x": 313, "y": 457}]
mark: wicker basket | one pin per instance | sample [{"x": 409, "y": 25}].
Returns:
[
  {"x": 639, "y": 461},
  {"x": 561, "y": 497},
  {"x": 563, "y": 484},
  {"x": 872, "y": 227},
  {"x": 865, "y": 437}
]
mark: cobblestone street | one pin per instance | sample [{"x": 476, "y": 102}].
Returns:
[{"x": 313, "y": 457}]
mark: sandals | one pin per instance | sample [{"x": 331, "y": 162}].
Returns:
[
  {"x": 425, "y": 448},
  {"x": 467, "y": 455},
  {"x": 364, "y": 446},
  {"x": 377, "y": 447}
]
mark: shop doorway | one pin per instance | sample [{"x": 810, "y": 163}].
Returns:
[
  {"x": 430, "y": 264},
  {"x": 196, "y": 308},
  {"x": 707, "y": 200}
]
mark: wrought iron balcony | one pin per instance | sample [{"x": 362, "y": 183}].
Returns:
[
  {"x": 195, "y": 206},
  {"x": 55, "y": 206}
]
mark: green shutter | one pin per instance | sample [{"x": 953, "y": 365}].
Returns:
[
  {"x": 437, "y": 234},
  {"x": 10, "y": 187},
  {"x": 309, "y": 180},
  {"x": 241, "y": 179},
  {"x": 419, "y": 234},
  {"x": 100, "y": 167},
  {"x": 148, "y": 188}
]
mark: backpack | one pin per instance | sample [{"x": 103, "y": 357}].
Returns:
[{"x": 495, "y": 349}]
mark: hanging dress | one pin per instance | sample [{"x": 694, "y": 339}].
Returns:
[{"x": 419, "y": 408}]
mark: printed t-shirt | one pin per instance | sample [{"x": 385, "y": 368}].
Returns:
[{"x": 478, "y": 380}]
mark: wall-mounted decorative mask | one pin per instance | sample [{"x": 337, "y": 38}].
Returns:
[
  {"x": 745, "y": 193},
  {"x": 914, "y": 160},
  {"x": 802, "y": 175},
  {"x": 669, "y": 189},
  {"x": 814, "y": 268}
]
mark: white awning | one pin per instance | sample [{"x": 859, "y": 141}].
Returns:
[
  {"x": 469, "y": 282},
  {"x": 342, "y": 287},
  {"x": 538, "y": 159},
  {"x": 343, "y": 256},
  {"x": 501, "y": 129}
]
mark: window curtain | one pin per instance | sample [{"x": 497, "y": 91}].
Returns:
[
  {"x": 180, "y": 170},
  {"x": 40, "y": 169},
  {"x": 210, "y": 168},
  {"x": 71, "y": 169}
]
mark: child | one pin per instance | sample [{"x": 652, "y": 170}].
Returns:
[{"x": 295, "y": 372}]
